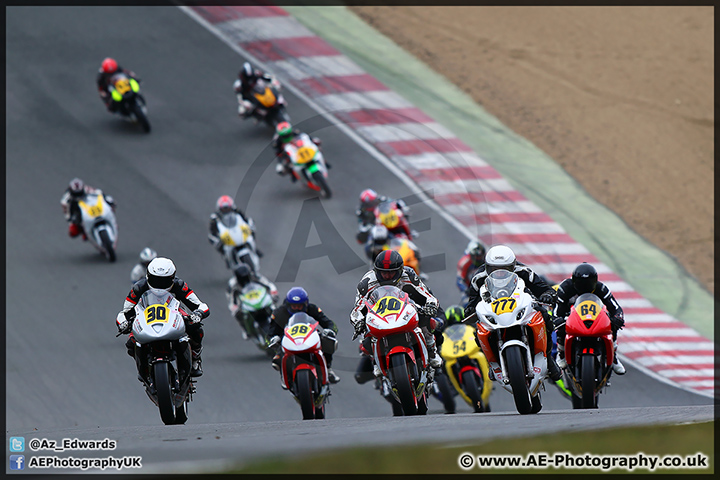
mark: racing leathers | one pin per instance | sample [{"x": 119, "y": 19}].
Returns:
[
  {"x": 279, "y": 319},
  {"x": 183, "y": 293},
  {"x": 418, "y": 292},
  {"x": 566, "y": 295},
  {"x": 103, "y": 85},
  {"x": 214, "y": 232},
  {"x": 537, "y": 287},
  {"x": 233, "y": 290},
  {"x": 71, "y": 209}
]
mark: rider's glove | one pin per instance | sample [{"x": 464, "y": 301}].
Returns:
[
  {"x": 547, "y": 298},
  {"x": 429, "y": 309},
  {"x": 360, "y": 328},
  {"x": 617, "y": 322},
  {"x": 195, "y": 317},
  {"x": 124, "y": 327},
  {"x": 276, "y": 362},
  {"x": 328, "y": 333},
  {"x": 272, "y": 342}
]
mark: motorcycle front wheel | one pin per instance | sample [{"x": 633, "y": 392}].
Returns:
[
  {"x": 141, "y": 117},
  {"x": 161, "y": 371},
  {"x": 473, "y": 391},
  {"x": 587, "y": 382},
  {"x": 320, "y": 181},
  {"x": 305, "y": 394},
  {"x": 518, "y": 380},
  {"x": 399, "y": 374},
  {"x": 107, "y": 245}
]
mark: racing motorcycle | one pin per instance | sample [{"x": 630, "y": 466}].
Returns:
[
  {"x": 512, "y": 337},
  {"x": 306, "y": 163},
  {"x": 159, "y": 331},
  {"x": 407, "y": 249},
  {"x": 98, "y": 221},
  {"x": 398, "y": 347},
  {"x": 266, "y": 103},
  {"x": 393, "y": 218},
  {"x": 238, "y": 242},
  {"x": 589, "y": 350},
  {"x": 466, "y": 369},
  {"x": 303, "y": 366},
  {"x": 252, "y": 309},
  {"x": 126, "y": 92}
]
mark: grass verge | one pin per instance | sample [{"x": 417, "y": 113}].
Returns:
[{"x": 652, "y": 441}]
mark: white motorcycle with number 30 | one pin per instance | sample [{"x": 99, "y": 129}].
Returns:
[
  {"x": 159, "y": 329},
  {"x": 98, "y": 221},
  {"x": 238, "y": 242},
  {"x": 512, "y": 336}
]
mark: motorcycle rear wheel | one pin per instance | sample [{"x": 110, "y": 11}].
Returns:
[
  {"x": 518, "y": 380},
  {"x": 587, "y": 382},
  {"x": 472, "y": 390},
  {"x": 319, "y": 179},
  {"x": 161, "y": 371},
  {"x": 107, "y": 245},
  {"x": 305, "y": 394},
  {"x": 399, "y": 373}
]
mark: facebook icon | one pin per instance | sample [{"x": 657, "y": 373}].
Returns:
[{"x": 17, "y": 462}]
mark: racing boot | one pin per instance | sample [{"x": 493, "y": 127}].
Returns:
[
  {"x": 196, "y": 370},
  {"x": 332, "y": 377},
  {"x": 561, "y": 363},
  {"x": 618, "y": 367}
]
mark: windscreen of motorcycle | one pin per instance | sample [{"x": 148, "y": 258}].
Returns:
[
  {"x": 588, "y": 316},
  {"x": 121, "y": 86},
  {"x": 92, "y": 206},
  {"x": 233, "y": 230},
  {"x": 388, "y": 215},
  {"x": 254, "y": 297},
  {"x": 301, "y": 334},
  {"x": 501, "y": 283},
  {"x": 456, "y": 332}
]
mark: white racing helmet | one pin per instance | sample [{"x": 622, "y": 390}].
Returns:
[
  {"x": 147, "y": 255},
  {"x": 160, "y": 274},
  {"x": 500, "y": 257}
]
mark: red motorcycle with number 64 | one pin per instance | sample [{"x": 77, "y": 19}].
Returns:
[{"x": 589, "y": 350}]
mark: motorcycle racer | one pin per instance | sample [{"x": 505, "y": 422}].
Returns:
[
  {"x": 369, "y": 200},
  {"x": 224, "y": 205},
  {"x": 242, "y": 275},
  {"x": 388, "y": 269},
  {"x": 69, "y": 202},
  {"x": 140, "y": 269},
  {"x": 107, "y": 69},
  {"x": 472, "y": 259},
  {"x": 584, "y": 279},
  {"x": 161, "y": 277},
  {"x": 501, "y": 257},
  {"x": 297, "y": 300},
  {"x": 247, "y": 78},
  {"x": 284, "y": 134}
]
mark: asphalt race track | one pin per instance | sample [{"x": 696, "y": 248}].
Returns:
[{"x": 67, "y": 374}]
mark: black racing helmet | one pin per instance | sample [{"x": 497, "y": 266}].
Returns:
[
  {"x": 584, "y": 278},
  {"x": 388, "y": 267},
  {"x": 243, "y": 274}
]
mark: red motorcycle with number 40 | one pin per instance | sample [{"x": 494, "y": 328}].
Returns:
[
  {"x": 399, "y": 347},
  {"x": 589, "y": 350}
]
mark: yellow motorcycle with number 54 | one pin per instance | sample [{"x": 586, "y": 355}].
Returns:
[{"x": 466, "y": 368}]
